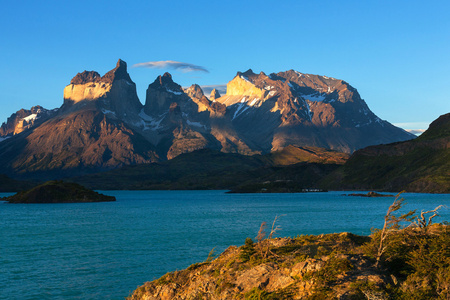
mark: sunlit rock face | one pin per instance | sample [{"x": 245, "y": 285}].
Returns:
[
  {"x": 86, "y": 86},
  {"x": 214, "y": 95},
  {"x": 116, "y": 90}
]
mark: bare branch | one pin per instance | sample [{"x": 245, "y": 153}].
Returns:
[
  {"x": 262, "y": 232},
  {"x": 274, "y": 230}
]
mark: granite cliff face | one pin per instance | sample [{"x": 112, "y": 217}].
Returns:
[
  {"x": 103, "y": 125},
  {"x": 89, "y": 133},
  {"x": 114, "y": 93}
]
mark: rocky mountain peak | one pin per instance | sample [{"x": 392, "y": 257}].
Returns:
[
  {"x": 165, "y": 82},
  {"x": 194, "y": 91},
  {"x": 243, "y": 85},
  {"x": 118, "y": 73},
  {"x": 249, "y": 72},
  {"x": 161, "y": 93},
  {"x": 214, "y": 95},
  {"x": 86, "y": 77}
]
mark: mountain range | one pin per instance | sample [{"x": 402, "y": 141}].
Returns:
[{"x": 102, "y": 125}]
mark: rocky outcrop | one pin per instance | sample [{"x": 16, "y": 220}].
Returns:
[
  {"x": 25, "y": 119},
  {"x": 279, "y": 268},
  {"x": 161, "y": 94},
  {"x": 413, "y": 265}
]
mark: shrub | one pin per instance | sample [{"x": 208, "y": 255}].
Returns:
[{"x": 247, "y": 250}]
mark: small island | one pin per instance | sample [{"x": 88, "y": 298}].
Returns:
[{"x": 58, "y": 192}]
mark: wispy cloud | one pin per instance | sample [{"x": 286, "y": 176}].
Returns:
[
  {"x": 222, "y": 88},
  {"x": 170, "y": 64},
  {"x": 416, "y": 131},
  {"x": 412, "y": 125}
]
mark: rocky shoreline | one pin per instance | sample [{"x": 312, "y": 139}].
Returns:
[{"x": 327, "y": 266}]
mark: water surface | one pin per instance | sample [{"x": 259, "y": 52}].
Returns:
[{"x": 105, "y": 250}]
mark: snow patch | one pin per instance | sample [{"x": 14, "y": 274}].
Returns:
[
  {"x": 240, "y": 109},
  {"x": 30, "y": 118},
  {"x": 149, "y": 123},
  {"x": 253, "y": 101},
  {"x": 2, "y": 138},
  {"x": 197, "y": 124},
  {"x": 309, "y": 110},
  {"x": 245, "y": 78},
  {"x": 173, "y": 92},
  {"x": 106, "y": 111},
  {"x": 318, "y": 97}
]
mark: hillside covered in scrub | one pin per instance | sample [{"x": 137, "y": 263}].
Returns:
[
  {"x": 421, "y": 165},
  {"x": 392, "y": 263}
]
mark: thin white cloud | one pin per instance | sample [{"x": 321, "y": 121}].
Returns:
[
  {"x": 222, "y": 88},
  {"x": 412, "y": 125},
  {"x": 416, "y": 131},
  {"x": 170, "y": 64}
]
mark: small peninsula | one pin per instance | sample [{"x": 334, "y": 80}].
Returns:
[
  {"x": 58, "y": 192},
  {"x": 326, "y": 266}
]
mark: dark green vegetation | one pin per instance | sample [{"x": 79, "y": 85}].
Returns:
[
  {"x": 58, "y": 192},
  {"x": 396, "y": 262},
  {"x": 420, "y": 165},
  {"x": 210, "y": 169}
]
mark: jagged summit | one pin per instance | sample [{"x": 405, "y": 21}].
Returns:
[
  {"x": 194, "y": 91},
  {"x": 85, "y": 77},
  {"x": 165, "y": 82},
  {"x": 214, "y": 95},
  {"x": 118, "y": 73}
]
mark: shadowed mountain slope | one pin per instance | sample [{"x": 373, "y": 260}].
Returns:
[{"x": 420, "y": 165}]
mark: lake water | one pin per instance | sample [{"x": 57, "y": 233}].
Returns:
[{"x": 106, "y": 250}]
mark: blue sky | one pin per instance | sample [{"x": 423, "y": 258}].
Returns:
[{"x": 396, "y": 53}]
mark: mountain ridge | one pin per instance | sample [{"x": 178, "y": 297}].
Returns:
[{"x": 258, "y": 115}]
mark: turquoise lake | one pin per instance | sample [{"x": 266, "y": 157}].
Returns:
[{"x": 106, "y": 250}]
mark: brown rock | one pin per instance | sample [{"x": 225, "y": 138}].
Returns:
[{"x": 214, "y": 95}]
